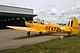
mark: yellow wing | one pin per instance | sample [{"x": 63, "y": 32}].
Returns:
[{"x": 24, "y": 28}]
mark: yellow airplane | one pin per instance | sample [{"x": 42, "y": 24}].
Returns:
[{"x": 71, "y": 27}]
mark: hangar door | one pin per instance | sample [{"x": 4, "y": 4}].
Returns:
[{"x": 14, "y": 20}]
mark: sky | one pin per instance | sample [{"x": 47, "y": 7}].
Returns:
[{"x": 56, "y": 11}]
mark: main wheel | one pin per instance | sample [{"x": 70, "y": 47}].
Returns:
[
  {"x": 40, "y": 33},
  {"x": 28, "y": 33},
  {"x": 69, "y": 34}
]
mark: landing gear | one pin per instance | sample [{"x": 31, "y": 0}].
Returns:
[
  {"x": 69, "y": 34},
  {"x": 28, "y": 33},
  {"x": 40, "y": 33}
]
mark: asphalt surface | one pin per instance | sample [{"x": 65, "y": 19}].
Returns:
[
  {"x": 10, "y": 38},
  {"x": 14, "y": 38}
]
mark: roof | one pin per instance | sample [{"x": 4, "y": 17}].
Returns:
[
  {"x": 15, "y": 11},
  {"x": 16, "y": 14}
]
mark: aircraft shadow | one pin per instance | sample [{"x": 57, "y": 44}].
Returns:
[
  {"x": 35, "y": 35},
  {"x": 38, "y": 35}
]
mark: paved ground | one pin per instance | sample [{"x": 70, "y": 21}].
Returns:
[{"x": 13, "y": 38}]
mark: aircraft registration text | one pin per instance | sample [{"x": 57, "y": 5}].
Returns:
[{"x": 56, "y": 29}]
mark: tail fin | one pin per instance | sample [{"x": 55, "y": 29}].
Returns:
[{"x": 74, "y": 26}]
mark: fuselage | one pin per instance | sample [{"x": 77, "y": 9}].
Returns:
[{"x": 47, "y": 27}]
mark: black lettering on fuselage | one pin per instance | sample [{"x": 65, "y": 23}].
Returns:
[{"x": 56, "y": 29}]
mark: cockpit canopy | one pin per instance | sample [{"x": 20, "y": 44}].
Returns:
[{"x": 41, "y": 21}]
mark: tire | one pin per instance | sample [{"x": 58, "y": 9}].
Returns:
[
  {"x": 40, "y": 33},
  {"x": 28, "y": 33}
]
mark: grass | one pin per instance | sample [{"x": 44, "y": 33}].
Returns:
[{"x": 67, "y": 45}]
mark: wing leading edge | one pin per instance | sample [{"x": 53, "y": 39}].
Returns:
[{"x": 24, "y": 28}]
